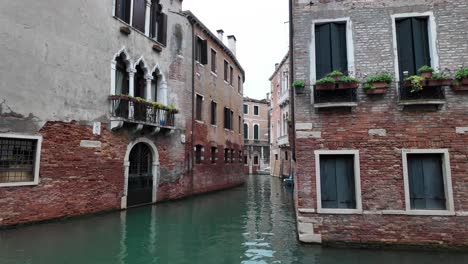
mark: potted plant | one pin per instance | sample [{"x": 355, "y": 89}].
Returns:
[
  {"x": 326, "y": 83},
  {"x": 335, "y": 75},
  {"x": 414, "y": 82},
  {"x": 347, "y": 82},
  {"x": 462, "y": 76},
  {"x": 378, "y": 84},
  {"x": 439, "y": 79},
  {"x": 298, "y": 85},
  {"x": 426, "y": 72}
]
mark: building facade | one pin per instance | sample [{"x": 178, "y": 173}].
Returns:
[
  {"x": 280, "y": 151},
  {"x": 256, "y": 135},
  {"x": 388, "y": 168},
  {"x": 95, "y": 107}
]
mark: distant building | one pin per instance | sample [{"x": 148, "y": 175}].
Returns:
[
  {"x": 281, "y": 156},
  {"x": 386, "y": 165},
  {"x": 256, "y": 136}
]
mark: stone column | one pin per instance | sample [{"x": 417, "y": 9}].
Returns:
[
  {"x": 147, "y": 17},
  {"x": 131, "y": 91},
  {"x": 123, "y": 204},
  {"x": 148, "y": 90},
  {"x": 162, "y": 92}
]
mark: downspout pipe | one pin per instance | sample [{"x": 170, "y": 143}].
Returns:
[
  {"x": 291, "y": 70},
  {"x": 192, "y": 158}
]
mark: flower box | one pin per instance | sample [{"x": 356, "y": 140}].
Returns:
[
  {"x": 377, "y": 91},
  {"x": 348, "y": 85},
  {"x": 433, "y": 82},
  {"x": 460, "y": 87},
  {"x": 464, "y": 81},
  {"x": 325, "y": 86}
]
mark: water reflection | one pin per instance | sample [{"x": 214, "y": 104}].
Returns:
[{"x": 249, "y": 225}]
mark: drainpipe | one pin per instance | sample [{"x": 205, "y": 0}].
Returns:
[
  {"x": 192, "y": 160},
  {"x": 291, "y": 70}
]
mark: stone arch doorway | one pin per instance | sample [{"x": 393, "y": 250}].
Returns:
[{"x": 141, "y": 173}]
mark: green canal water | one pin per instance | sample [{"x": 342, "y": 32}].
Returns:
[{"x": 249, "y": 224}]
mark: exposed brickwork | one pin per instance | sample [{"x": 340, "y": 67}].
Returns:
[{"x": 417, "y": 127}]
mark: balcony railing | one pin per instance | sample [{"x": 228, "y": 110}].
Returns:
[
  {"x": 283, "y": 141},
  {"x": 335, "y": 98},
  {"x": 428, "y": 94},
  {"x": 284, "y": 98},
  {"x": 131, "y": 110}
]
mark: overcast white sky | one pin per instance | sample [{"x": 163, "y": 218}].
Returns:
[{"x": 261, "y": 32}]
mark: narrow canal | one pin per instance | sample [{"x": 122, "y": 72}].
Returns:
[{"x": 250, "y": 224}]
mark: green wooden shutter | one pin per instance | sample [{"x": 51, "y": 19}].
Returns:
[
  {"x": 246, "y": 131},
  {"x": 322, "y": 50},
  {"x": 420, "y": 42},
  {"x": 204, "y": 52},
  {"x": 338, "y": 47},
  {"x": 337, "y": 181},
  {"x": 255, "y": 132},
  {"x": 328, "y": 182}
]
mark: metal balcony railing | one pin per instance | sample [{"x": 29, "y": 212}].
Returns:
[
  {"x": 284, "y": 98},
  {"x": 130, "y": 109},
  {"x": 335, "y": 96},
  {"x": 427, "y": 93},
  {"x": 283, "y": 141}
]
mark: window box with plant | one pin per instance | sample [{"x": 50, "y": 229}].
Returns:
[
  {"x": 426, "y": 72},
  {"x": 378, "y": 84},
  {"x": 337, "y": 75},
  {"x": 415, "y": 83},
  {"x": 326, "y": 83},
  {"x": 462, "y": 76},
  {"x": 347, "y": 82},
  {"x": 439, "y": 79},
  {"x": 298, "y": 85}
]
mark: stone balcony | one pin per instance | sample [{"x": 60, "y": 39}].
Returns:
[
  {"x": 283, "y": 141},
  {"x": 284, "y": 98}
]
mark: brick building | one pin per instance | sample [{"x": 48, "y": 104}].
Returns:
[
  {"x": 256, "y": 135},
  {"x": 389, "y": 168},
  {"x": 280, "y": 150},
  {"x": 96, "y": 107}
]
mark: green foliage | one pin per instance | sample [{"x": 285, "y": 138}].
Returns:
[
  {"x": 384, "y": 77},
  {"x": 172, "y": 108},
  {"x": 425, "y": 68},
  {"x": 298, "y": 84},
  {"x": 139, "y": 99},
  {"x": 335, "y": 74},
  {"x": 325, "y": 80},
  {"x": 456, "y": 82},
  {"x": 462, "y": 73},
  {"x": 347, "y": 79},
  {"x": 440, "y": 76},
  {"x": 158, "y": 105},
  {"x": 416, "y": 81}
]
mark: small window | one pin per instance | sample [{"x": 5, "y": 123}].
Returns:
[
  {"x": 139, "y": 14},
  {"x": 256, "y": 132},
  {"x": 245, "y": 160},
  {"x": 239, "y": 84},
  {"x": 276, "y": 156},
  {"x": 199, "y": 108},
  {"x": 226, "y": 155},
  {"x": 19, "y": 160},
  {"x": 231, "y": 119},
  {"x": 330, "y": 48},
  {"x": 428, "y": 183},
  {"x": 122, "y": 10},
  {"x": 231, "y": 74},
  {"x": 233, "y": 155},
  {"x": 213, "y": 154},
  {"x": 240, "y": 124},
  {"x": 158, "y": 24},
  {"x": 201, "y": 51},
  {"x": 246, "y": 131},
  {"x": 286, "y": 155},
  {"x": 198, "y": 154},
  {"x": 246, "y": 109},
  {"x": 255, "y": 160},
  {"x": 213, "y": 61},
  {"x": 228, "y": 118},
  {"x": 256, "y": 112},
  {"x": 226, "y": 71},
  {"x": 338, "y": 181},
  {"x": 214, "y": 108}
]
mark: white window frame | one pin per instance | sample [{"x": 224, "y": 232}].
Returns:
[
  {"x": 37, "y": 158},
  {"x": 432, "y": 35},
  {"x": 357, "y": 182},
  {"x": 247, "y": 109},
  {"x": 349, "y": 46},
  {"x": 446, "y": 172},
  {"x": 253, "y": 110}
]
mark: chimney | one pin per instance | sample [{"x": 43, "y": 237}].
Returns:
[
  {"x": 220, "y": 34},
  {"x": 276, "y": 66},
  {"x": 232, "y": 44}
]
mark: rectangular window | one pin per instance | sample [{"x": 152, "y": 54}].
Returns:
[
  {"x": 256, "y": 160},
  {"x": 231, "y": 121},
  {"x": 199, "y": 108},
  {"x": 240, "y": 156},
  {"x": 276, "y": 156},
  {"x": 413, "y": 44},
  {"x": 428, "y": 183},
  {"x": 256, "y": 110},
  {"x": 122, "y": 10},
  {"x": 239, "y": 85},
  {"x": 228, "y": 118},
  {"x": 226, "y": 155},
  {"x": 213, "y": 61},
  {"x": 330, "y": 48},
  {"x": 201, "y": 50},
  {"x": 198, "y": 154},
  {"x": 19, "y": 160},
  {"x": 231, "y": 74},
  {"x": 286, "y": 155},
  {"x": 214, "y": 108},
  {"x": 246, "y": 109},
  {"x": 226, "y": 69},
  {"x": 256, "y": 132},
  {"x": 246, "y": 131},
  {"x": 338, "y": 181},
  {"x": 139, "y": 14},
  {"x": 240, "y": 124},
  {"x": 233, "y": 156},
  {"x": 245, "y": 160},
  {"x": 213, "y": 154}
]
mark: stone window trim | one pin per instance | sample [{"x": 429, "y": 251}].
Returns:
[
  {"x": 247, "y": 109},
  {"x": 147, "y": 20},
  {"x": 253, "y": 131},
  {"x": 349, "y": 45},
  {"x": 258, "y": 110},
  {"x": 248, "y": 131},
  {"x": 357, "y": 181},
  {"x": 432, "y": 30},
  {"x": 37, "y": 159},
  {"x": 446, "y": 172},
  {"x": 214, "y": 67}
]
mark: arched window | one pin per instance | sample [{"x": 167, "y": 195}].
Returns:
[
  {"x": 139, "y": 82},
  {"x": 256, "y": 132},
  {"x": 246, "y": 131},
  {"x": 154, "y": 86},
  {"x": 158, "y": 22},
  {"x": 121, "y": 76}
]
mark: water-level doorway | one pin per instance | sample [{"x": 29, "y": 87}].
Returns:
[{"x": 140, "y": 175}]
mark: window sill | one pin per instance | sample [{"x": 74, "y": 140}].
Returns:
[
  {"x": 139, "y": 32},
  {"x": 214, "y": 74},
  {"x": 19, "y": 184},
  {"x": 430, "y": 212},
  {"x": 199, "y": 122},
  {"x": 422, "y": 102},
  {"x": 331, "y": 105},
  {"x": 339, "y": 211}
]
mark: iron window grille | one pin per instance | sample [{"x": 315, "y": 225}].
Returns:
[{"x": 17, "y": 160}]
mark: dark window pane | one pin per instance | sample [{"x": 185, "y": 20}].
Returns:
[
  {"x": 198, "y": 154},
  {"x": 122, "y": 10},
  {"x": 199, "y": 107},
  {"x": 139, "y": 13},
  {"x": 330, "y": 46},
  {"x": 337, "y": 181},
  {"x": 256, "y": 132},
  {"x": 214, "y": 107},
  {"x": 213, "y": 61},
  {"x": 246, "y": 109},
  {"x": 226, "y": 69},
  {"x": 246, "y": 131},
  {"x": 17, "y": 160},
  {"x": 255, "y": 110}
]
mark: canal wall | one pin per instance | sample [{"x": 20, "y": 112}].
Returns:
[{"x": 379, "y": 133}]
